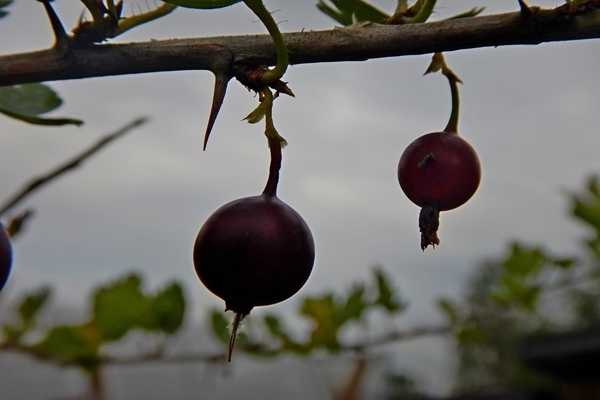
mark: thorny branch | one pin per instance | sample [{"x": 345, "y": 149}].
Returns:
[{"x": 353, "y": 43}]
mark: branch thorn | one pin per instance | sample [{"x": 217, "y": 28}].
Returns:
[
  {"x": 60, "y": 34},
  {"x": 221, "y": 81}
]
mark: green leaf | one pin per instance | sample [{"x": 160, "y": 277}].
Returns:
[
  {"x": 27, "y": 310},
  {"x": 3, "y": 4},
  {"x": 120, "y": 307},
  {"x": 586, "y": 206},
  {"x": 366, "y": 12},
  {"x": 523, "y": 262},
  {"x": 169, "y": 308},
  {"x": 258, "y": 113},
  {"x": 347, "y": 12},
  {"x": 203, "y": 4},
  {"x": 356, "y": 304},
  {"x": 449, "y": 309},
  {"x": 341, "y": 18},
  {"x": 30, "y": 99},
  {"x": 326, "y": 317},
  {"x": 386, "y": 297},
  {"x": 31, "y": 305},
  {"x": 72, "y": 344},
  {"x": 220, "y": 326},
  {"x": 274, "y": 326},
  {"x": 27, "y": 102},
  {"x": 470, "y": 334}
]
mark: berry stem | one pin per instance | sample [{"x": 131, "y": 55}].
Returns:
[
  {"x": 276, "y": 142},
  {"x": 439, "y": 63},
  {"x": 453, "y": 121},
  {"x": 237, "y": 320},
  {"x": 271, "y": 75}
]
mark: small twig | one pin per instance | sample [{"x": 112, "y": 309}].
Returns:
[
  {"x": 69, "y": 165},
  {"x": 409, "y": 334}
]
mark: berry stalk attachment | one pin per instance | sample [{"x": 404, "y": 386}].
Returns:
[{"x": 439, "y": 171}]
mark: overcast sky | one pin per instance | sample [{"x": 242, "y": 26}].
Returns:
[{"x": 529, "y": 111}]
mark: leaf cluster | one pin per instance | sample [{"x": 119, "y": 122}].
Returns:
[
  {"x": 527, "y": 292},
  {"x": 328, "y": 315},
  {"x": 117, "y": 309}
]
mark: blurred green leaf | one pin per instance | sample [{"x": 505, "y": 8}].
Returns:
[
  {"x": 169, "y": 308},
  {"x": 27, "y": 311},
  {"x": 31, "y": 305},
  {"x": 27, "y": 102},
  {"x": 356, "y": 304},
  {"x": 470, "y": 334},
  {"x": 367, "y": 12},
  {"x": 449, "y": 309},
  {"x": 523, "y": 262},
  {"x": 273, "y": 324},
  {"x": 220, "y": 326},
  {"x": 72, "y": 344},
  {"x": 325, "y": 315},
  {"x": 119, "y": 307},
  {"x": 586, "y": 206},
  {"x": 347, "y": 12},
  {"x": 386, "y": 297},
  {"x": 3, "y": 4}
]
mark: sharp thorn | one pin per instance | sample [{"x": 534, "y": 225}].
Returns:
[
  {"x": 221, "y": 81},
  {"x": 60, "y": 34}
]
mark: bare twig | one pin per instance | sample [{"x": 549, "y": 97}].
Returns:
[{"x": 36, "y": 183}]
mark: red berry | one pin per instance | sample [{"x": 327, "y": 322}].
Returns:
[
  {"x": 439, "y": 168},
  {"x": 5, "y": 256},
  {"x": 439, "y": 171}
]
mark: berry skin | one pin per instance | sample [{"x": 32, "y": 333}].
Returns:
[
  {"x": 5, "y": 257},
  {"x": 440, "y": 169}
]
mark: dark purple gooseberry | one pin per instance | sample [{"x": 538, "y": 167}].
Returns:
[
  {"x": 254, "y": 251},
  {"x": 5, "y": 256}
]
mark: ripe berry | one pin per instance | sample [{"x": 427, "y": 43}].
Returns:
[
  {"x": 254, "y": 251},
  {"x": 5, "y": 256},
  {"x": 439, "y": 171}
]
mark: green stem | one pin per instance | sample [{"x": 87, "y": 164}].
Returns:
[
  {"x": 276, "y": 142},
  {"x": 453, "y": 121},
  {"x": 271, "y": 75}
]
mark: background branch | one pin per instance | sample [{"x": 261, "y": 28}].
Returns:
[
  {"x": 35, "y": 183},
  {"x": 353, "y": 43}
]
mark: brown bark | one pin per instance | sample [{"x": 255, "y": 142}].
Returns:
[{"x": 354, "y": 43}]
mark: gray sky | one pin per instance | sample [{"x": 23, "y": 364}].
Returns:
[{"x": 530, "y": 112}]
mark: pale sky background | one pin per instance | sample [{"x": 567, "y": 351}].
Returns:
[{"x": 531, "y": 112}]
